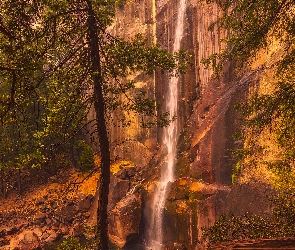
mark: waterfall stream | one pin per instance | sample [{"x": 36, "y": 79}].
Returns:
[{"x": 170, "y": 137}]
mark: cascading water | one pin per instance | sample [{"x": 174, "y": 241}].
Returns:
[{"x": 170, "y": 141}]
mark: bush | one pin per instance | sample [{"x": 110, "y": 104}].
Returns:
[
  {"x": 84, "y": 156},
  {"x": 250, "y": 226},
  {"x": 70, "y": 243}
]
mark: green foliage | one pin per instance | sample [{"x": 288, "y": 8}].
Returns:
[
  {"x": 250, "y": 25},
  {"x": 73, "y": 243},
  {"x": 128, "y": 58},
  {"x": 40, "y": 109},
  {"x": 58, "y": 56},
  {"x": 250, "y": 226},
  {"x": 70, "y": 243},
  {"x": 84, "y": 156},
  {"x": 236, "y": 171}
]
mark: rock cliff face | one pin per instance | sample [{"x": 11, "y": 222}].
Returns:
[
  {"x": 206, "y": 120},
  {"x": 205, "y": 116}
]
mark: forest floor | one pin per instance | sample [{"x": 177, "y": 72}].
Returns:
[{"x": 49, "y": 211}]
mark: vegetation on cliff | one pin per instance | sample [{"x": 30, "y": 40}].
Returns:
[
  {"x": 254, "y": 28},
  {"x": 258, "y": 29},
  {"x": 278, "y": 224}
]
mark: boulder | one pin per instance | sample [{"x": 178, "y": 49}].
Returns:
[
  {"x": 124, "y": 220},
  {"x": 3, "y": 242},
  {"x": 40, "y": 201},
  {"x": 7, "y": 230},
  {"x": 40, "y": 217},
  {"x": 67, "y": 214},
  {"x": 63, "y": 229},
  {"x": 84, "y": 204},
  {"x": 126, "y": 173},
  {"x": 38, "y": 231},
  {"x": 2, "y": 232},
  {"x": 77, "y": 230},
  {"x": 50, "y": 236},
  {"x": 191, "y": 189},
  {"x": 48, "y": 221},
  {"x": 26, "y": 240},
  {"x": 131, "y": 172},
  {"x": 122, "y": 174},
  {"x": 118, "y": 189}
]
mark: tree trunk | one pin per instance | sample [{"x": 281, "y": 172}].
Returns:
[
  {"x": 1, "y": 187},
  {"x": 99, "y": 105},
  {"x": 19, "y": 182},
  {"x": 4, "y": 188}
]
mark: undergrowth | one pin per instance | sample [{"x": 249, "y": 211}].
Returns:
[{"x": 279, "y": 223}]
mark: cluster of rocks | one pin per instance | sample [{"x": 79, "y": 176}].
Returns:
[
  {"x": 52, "y": 219},
  {"x": 125, "y": 207},
  {"x": 46, "y": 226}
]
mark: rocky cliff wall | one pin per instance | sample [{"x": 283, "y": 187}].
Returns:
[
  {"x": 206, "y": 119},
  {"x": 205, "y": 116},
  {"x": 134, "y": 142}
]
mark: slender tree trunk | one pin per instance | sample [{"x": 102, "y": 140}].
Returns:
[
  {"x": 4, "y": 188},
  {"x": 1, "y": 186},
  {"x": 19, "y": 187},
  {"x": 99, "y": 105}
]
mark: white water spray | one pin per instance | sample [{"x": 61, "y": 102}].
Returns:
[{"x": 170, "y": 141}]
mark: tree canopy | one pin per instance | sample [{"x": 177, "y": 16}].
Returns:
[{"x": 252, "y": 26}]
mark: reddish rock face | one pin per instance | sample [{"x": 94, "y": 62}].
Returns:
[
  {"x": 206, "y": 117},
  {"x": 118, "y": 190}
]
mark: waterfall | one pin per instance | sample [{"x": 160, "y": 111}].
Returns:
[{"x": 170, "y": 137}]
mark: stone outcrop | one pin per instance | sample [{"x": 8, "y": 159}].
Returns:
[
  {"x": 118, "y": 190},
  {"x": 206, "y": 116},
  {"x": 124, "y": 220}
]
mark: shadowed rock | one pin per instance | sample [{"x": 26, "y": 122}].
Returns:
[{"x": 124, "y": 220}]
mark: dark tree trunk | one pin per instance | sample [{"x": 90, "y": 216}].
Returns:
[
  {"x": 19, "y": 187},
  {"x": 1, "y": 186},
  {"x": 99, "y": 105},
  {"x": 4, "y": 188}
]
